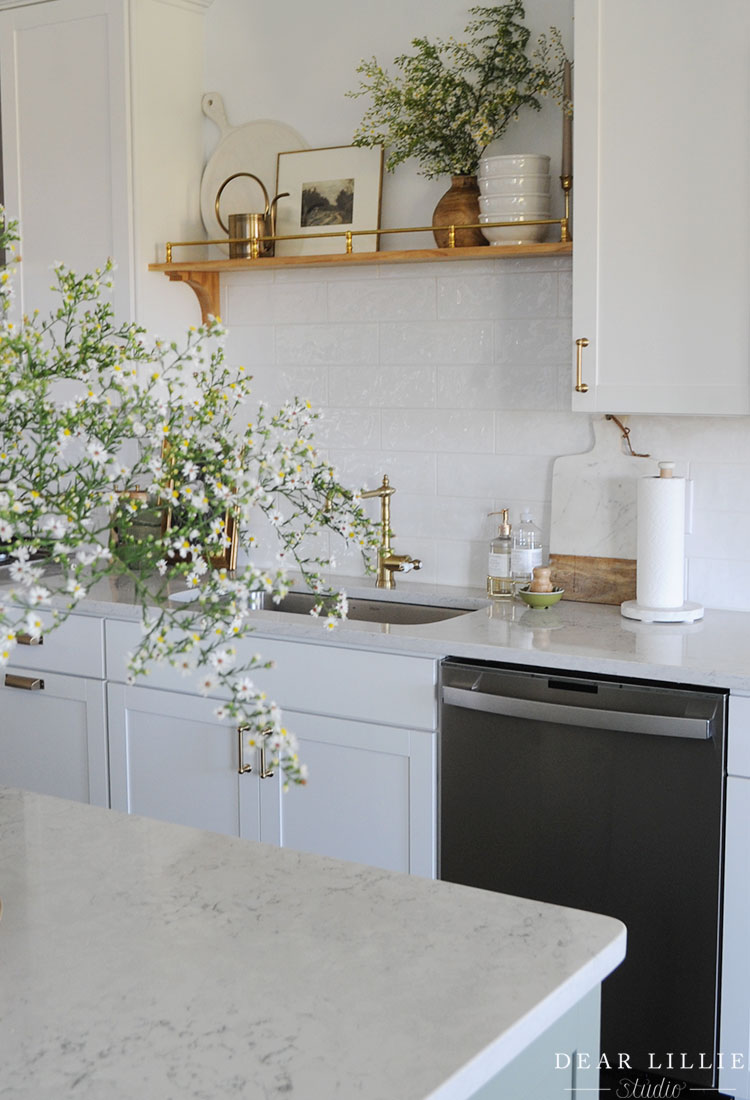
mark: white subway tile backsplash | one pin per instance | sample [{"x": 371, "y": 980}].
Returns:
[
  {"x": 719, "y": 583},
  {"x": 341, "y": 428},
  {"x": 382, "y": 300},
  {"x": 275, "y": 385},
  {"x": 533, "y": 341},
  {"x": 542, "y": 433},
  {"x": 277, "y": 303},
  {"x": 327, "y": 343},
  {"x": 436, "y": 342},
  {"x": 408, "y": 471},
  {"x": 410, "y": 387},
  {"x": 438, "y": 430},
  {"x": 454, "y": 378},
  {"x": 719, "y": 535},
  {"x": 511, "y": 477},
  {"x": 462, "y": 563},
  {"x": 722, "y": 486},
  {"x": 251, "y": 345},
  {"x": 482, "y": 296},
  {"x": 500, "y": 386}
]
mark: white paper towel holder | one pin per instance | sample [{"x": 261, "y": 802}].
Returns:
[{"x": 687, "y": 613}]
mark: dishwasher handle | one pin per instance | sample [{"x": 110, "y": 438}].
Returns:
[{"x": 662, "y": 725}]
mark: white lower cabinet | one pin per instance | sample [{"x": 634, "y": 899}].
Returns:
[
  {"x": 53, "y": 732},
  {"x": 53, "y": 735},
  {"x": 734, "y": 1042},
  {"x": 170, "y": 758},
  {"x": 371, "y": 797}
]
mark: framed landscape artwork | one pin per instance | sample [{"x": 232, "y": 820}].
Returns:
[{"x": 333, "y": 190}]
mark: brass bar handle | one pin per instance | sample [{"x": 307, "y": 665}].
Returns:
[
  {"x": 26, "y": 683},
  {"x": 242, "y": 769},
  {"x": 30, "y": 639},
  {"x": 264, "y": 773},
  {"x": 581, "y": 386}
]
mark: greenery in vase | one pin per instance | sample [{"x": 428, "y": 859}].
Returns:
[
  {"x": 99, "y": 426},
  {"x": 450, "y": 99}
]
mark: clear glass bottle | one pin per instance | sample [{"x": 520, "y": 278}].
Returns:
[
  {"x": 499, "y": 581},
  {"x": 526, "y": 551}
]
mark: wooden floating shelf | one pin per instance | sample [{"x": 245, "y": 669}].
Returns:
[{"x": 203, "y": 276}]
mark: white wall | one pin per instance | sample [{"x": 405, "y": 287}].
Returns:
[
  {"x": 295, "y": 61},
  {"x": 453, "y": 378}
]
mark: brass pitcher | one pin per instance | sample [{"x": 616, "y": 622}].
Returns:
[{"x": 251, "y": 229}]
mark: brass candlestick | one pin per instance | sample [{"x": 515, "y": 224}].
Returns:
[{"x": 566, "y": 182}]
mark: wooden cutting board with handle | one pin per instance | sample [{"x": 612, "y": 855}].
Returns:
[{"x": 593, "y": 528}]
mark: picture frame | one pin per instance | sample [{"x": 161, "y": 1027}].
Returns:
[{"x": 335, "y": 189}]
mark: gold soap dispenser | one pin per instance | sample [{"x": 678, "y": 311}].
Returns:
[{"x": 499, "y": 579}]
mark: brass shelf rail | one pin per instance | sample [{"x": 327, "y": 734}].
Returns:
[{"x": 203, "y": 276}]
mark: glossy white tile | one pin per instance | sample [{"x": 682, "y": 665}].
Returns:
[
  {"x": 382, "y": 386},
  {"x": 383, "y": 300},
  {"x": 327, "y": 343},
  {"x": 436, "y": 342},
  {"x": 499, "y": 296},
  {"x": 438, "y": 430}
]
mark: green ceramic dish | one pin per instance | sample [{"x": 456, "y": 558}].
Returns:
[{"x": 540, "y": 599}]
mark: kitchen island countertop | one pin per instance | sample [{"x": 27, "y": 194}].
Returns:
[{"x": 141, "y": 959}]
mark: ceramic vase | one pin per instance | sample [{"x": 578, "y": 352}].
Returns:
[{"x": 459, "y": 206}]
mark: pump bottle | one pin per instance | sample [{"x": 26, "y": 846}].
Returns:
[{"x": 499, "y": 581}]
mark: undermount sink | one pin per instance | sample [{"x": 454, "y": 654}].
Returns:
[{"x": 360, "y": 610}]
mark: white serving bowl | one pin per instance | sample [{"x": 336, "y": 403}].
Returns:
[
  {"x": 517, "y": 233},
  {"x": 514, "y": 185},
  {"x": 521, "y": 164},
  {"x": 515, "y": 204}
]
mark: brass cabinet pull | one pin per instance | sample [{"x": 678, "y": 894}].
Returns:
[
  {"x": 26, "y": 683},
  {"x": 264, "y": 773},
  {"x": 581, "y": 386},
  {"x": 242, "y": 769},
  {"x": 30, "y": 639}
]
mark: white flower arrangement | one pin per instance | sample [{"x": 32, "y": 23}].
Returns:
[{"x": 99, "y": 426}]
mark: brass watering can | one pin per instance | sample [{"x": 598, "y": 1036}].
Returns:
[{"x": 250, "y": 227}]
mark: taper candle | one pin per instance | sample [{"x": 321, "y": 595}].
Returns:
[{"x": 566, "y": 168}]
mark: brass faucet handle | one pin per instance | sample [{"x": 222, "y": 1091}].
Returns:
[{"x": 384, "y": 490}]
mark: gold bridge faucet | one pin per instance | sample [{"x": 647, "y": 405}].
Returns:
[{"x": 388, "y": 562}]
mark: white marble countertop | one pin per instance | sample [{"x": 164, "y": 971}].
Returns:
[
  {"x": 153, "y": 961},
  {"x": 715, "y": 651}
]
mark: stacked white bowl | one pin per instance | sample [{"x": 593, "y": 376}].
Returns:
[{"x": 514, "y": 189}]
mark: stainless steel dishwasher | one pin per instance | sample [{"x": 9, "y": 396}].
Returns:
[{"x": 607, "y": 796}]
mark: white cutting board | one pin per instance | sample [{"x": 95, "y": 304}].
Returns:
[
  {"x": 253, "y": 147},
  {"x": 594, "y": 497}
]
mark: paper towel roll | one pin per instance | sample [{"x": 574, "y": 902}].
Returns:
[{"x": 660, "y": 577}]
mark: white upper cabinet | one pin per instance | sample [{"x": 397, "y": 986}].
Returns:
[
  {"x": 102, "y": 143},
  {"x": 661, "y": 250}
]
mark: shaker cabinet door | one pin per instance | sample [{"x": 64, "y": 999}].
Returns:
[
  {"x": 661, "y": 261},
  {"x": 53, "y": 735},
  {"x": 371, "y": 795},
  {"x": 172, "y": 759}
]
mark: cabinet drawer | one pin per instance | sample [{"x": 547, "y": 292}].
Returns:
[
  {"x": 738, "y": 757},
  {"x": 75, "y": 647},
  {"x": 322, "y": 679}
]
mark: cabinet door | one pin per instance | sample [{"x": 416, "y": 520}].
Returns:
[
  {"x": 53, "y": 735},
  {"x": 172, "y": 759},
  {"x": 734, "y": 1078},
  {"x": 63, "y": 88},
  {"x": 370, "y": 797},
  {"x": 661, "y": 265}
]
